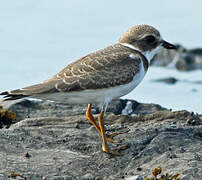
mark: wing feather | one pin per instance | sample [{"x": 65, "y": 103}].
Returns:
[{"x": 111, "y": 66}]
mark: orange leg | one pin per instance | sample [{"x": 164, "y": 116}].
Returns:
[
  {"x": 101, "y": 130},
  {"x": 105, "y": 148},
  {"x": 92, "y": 120},
  {"x": 104, "y": 139}
]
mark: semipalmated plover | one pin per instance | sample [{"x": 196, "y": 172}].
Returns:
[{"x": 101, "y": 76}]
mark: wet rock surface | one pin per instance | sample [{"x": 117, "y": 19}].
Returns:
[
  {"x": 173, "y": 80},
  {"x": 182, "y": 59},
  {"x": 52, "y": 141}
]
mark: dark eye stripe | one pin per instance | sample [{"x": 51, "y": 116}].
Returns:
[{"x": 150, "y": 39}]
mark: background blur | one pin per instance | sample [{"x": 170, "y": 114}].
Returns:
[{"x": 39, "y": 38}]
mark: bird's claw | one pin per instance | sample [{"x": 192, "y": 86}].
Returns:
[
  {"x": 112, "y": 135},
  {"x": 116, "y": 151}
]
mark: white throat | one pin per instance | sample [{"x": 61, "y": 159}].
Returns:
[{"x": 148, "y": 54}]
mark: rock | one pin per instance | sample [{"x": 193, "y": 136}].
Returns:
[
  {"x": 173, "y": 80},
  {"x": 87, "y": 176},
  {"x": 7, "y": 117},
  {"x": 169, "y": 80},
  {"x": 52, "y": 147},
  {"x": 196, "y": 51},
  {"x": 135, "y": 178},
  {"x": 186, "y": 62},
  {"x": 181, "y": 58},
  {"x": 193, "y": 120},
  {"x": 26, "y": 108},
  {"x": 164, "y": 58}
]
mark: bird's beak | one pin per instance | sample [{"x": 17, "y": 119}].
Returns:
[{"x": 167, "y": 45}]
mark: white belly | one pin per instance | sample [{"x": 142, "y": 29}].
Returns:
[{"x": 97, "y": 96}]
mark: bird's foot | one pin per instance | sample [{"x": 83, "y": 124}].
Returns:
[
  {"x": 116, "y": 151},
  {"x": 112, "y": 135}
]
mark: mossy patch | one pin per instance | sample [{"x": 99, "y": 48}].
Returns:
[
  {"x": 158, "y": 175},
  {"x": 7, "y": 118}
]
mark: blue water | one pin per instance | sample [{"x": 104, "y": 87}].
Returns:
[{"x": 38, "y": 38}]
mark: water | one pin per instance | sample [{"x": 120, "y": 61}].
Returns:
[
  {"x": 38, "y": 38},
  {"x": 182, "y": 95}
]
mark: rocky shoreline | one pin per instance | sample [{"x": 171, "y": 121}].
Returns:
[
  {"x": 55, "y": 141},
  {"x": 182, "y": 59}
]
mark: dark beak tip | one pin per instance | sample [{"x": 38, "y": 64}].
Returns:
[{"x": 168, "y": 45}]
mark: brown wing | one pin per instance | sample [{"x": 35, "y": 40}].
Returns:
[{"x": 108, "y": 67}]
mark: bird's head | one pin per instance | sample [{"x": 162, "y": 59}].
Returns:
[{"x": 145, "y": 39}]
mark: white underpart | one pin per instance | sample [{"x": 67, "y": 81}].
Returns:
[
  {"x": 150, "y": 54},
  {"x": 96, "y": 96}
]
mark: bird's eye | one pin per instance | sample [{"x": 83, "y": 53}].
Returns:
[{"x": 150, "y": 39}]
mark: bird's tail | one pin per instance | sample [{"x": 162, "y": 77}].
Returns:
[
  {"x": 11, "y": 96},
  {"x": 34, "y": 90}
]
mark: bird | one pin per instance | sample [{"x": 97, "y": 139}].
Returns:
[{"x": 101, "y": 76}]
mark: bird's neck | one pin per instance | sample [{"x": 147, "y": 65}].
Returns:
[
  {"x": 151, "y": 53},
  {"x": 148, "y": 54},
  {"x": 130, "y": 46}
]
